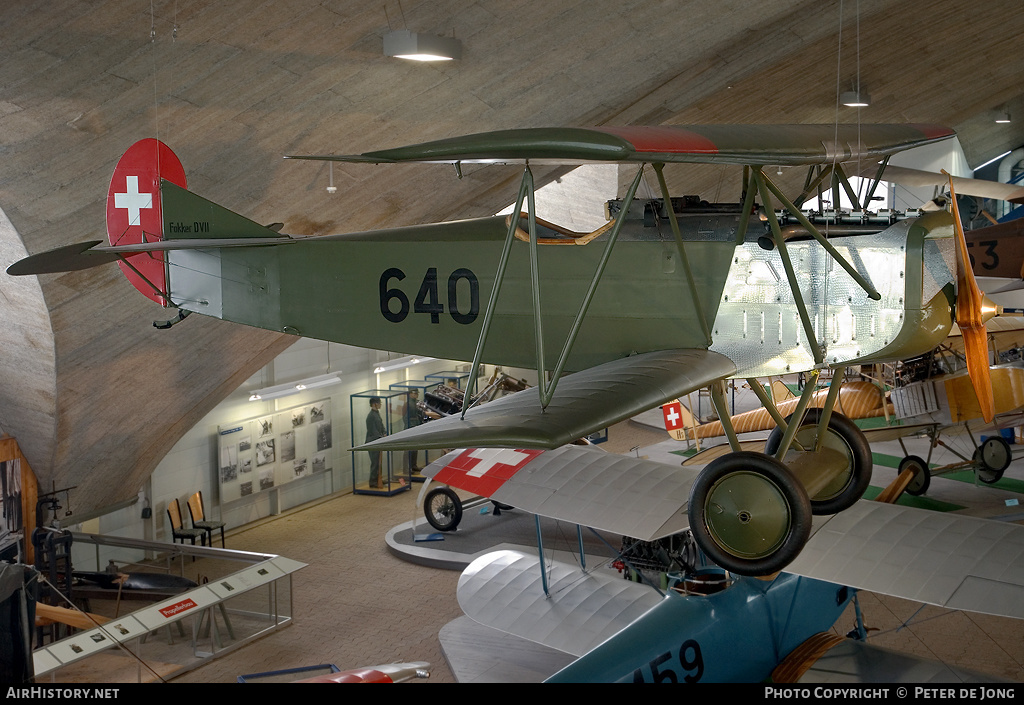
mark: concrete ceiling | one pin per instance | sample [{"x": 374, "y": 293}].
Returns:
[{"x": 96, "y": 396}]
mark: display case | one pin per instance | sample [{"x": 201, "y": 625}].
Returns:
[
  {"x": 415, "y": 414},
  {"x": 450, "y": 377},
  {"x": 378, "y": 472}
]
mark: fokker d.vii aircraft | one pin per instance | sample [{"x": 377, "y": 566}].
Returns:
[{"x": 671, "y": 295}]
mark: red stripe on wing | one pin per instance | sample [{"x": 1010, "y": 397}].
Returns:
[{"x": 665, "y": 140}]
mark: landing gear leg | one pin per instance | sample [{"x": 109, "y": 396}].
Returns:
[{"x": 847, "y": 447}]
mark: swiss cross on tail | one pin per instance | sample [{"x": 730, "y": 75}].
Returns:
[
  {"x": 133, "y": 210},
  {"x": 483, "y": 470},
  {"x": 674, "y": 420}
]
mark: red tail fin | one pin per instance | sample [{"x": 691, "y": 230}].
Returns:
[{"x": 134, "y": 214}]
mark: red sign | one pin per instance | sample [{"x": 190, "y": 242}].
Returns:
[
  {"x": 483, "y": 470},
  {"x": 177, "y": 608}
]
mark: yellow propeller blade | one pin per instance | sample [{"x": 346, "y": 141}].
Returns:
[{"x": 969, "y": 304}]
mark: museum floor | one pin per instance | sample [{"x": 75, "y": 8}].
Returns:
[{"x": 358, "y": 604}]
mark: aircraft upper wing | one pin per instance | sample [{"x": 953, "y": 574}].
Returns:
[
  {"x": 617, "y": 493},
  {"x": 583, "y": 402},
  {"x": 965, "y": 186},
  {"x": 950, "y": 560},
  {"x": 728, "y": 144}
]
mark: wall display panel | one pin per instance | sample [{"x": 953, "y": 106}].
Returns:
[{"x": 272, "y": 450}]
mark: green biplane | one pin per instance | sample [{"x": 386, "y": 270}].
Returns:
[{"x": 670, "y": 296}]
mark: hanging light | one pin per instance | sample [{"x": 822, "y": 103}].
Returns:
[
  {"x": 400, "y": 363},
  {"x": 857, "y": 98},
  {"x": 289, "y": 388},
  {"x": 403, "y": 44}
]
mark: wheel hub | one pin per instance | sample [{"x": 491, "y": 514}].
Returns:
[{"x": 747, "y": 515}]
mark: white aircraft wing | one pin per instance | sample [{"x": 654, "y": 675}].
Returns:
[
  {"x": 617, "y": 493},
  {"x": 853, "y": 661},
  {"x": 503, "y": 590},
  {"x": 916, "y": 178},
  {"x": 943, "y": 559}
]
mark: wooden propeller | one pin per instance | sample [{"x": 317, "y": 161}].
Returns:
[{"x": 972, "y": 310}]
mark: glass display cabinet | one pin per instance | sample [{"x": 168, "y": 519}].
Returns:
[
  {"x": 415, "y": 412},
  {"x": 374, "y": 414}
]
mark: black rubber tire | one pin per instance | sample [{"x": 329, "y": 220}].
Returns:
[
  {"x": 846, "y": 433},
  {"x": 744, "y": 489},
  {"x": 443, "y": 509},
  {"x": 993, "y": 457},
  {"x": 922, "y": 475}
]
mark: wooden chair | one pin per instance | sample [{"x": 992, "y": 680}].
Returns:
[
  {"x": 178, "y": 530},
  {"x": 199, "y": 520}
]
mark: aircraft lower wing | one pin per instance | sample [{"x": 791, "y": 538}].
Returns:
[
  {"x": 503, "y": 590},
  {"x": 853, "y": 661},
  {"x": 583, "y": 402},
  {"x": 616, "y": 493},
  {"x": 952, "y": 561},
  {"x": 894, "y": 433}
]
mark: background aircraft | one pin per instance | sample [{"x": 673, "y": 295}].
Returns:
[{"x": 629, "y": 311}]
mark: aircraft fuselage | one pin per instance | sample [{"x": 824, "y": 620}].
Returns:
[{"x": 424, "y": 289}]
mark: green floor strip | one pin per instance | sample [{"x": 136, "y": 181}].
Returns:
[
  {"x": 909, "y": 500},
  {"x": 1007, "y": 483},
  {"x": 889, "y": 461}
]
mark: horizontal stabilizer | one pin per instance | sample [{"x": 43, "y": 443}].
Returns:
[
  {"x": 724, "y": 144},
  {"x": 70, "y": 258},
  {"x": 503, "y": 590},
  {"x": 579, "y": 484},
  {"x": 583, "y": 402},
  {"x": 949, "y": 560},
  {"x": 84, "y": 255}
]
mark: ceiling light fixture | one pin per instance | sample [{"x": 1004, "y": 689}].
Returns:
[
  {"x": 855, "y": 99},
  {"x": 993, "y": 159},
  {"x": 284, "y": 390},
  {"x": 400, "y": 363},
  {"x": 403, "y": 44},
  {"x": 1003, "y": 117}
]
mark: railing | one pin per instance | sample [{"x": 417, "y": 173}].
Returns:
[{"x": 240, "y": 597}]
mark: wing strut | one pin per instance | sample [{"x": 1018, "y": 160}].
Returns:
[
  {"x": 546, "y": 387},
  {"x": 694, "y": 294}
]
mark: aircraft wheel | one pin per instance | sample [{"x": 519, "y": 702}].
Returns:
[
  {"x": 842, "y": 436},
  {"x": 922, "y": 475},
  {"x": 443, "y": 509},
  {"x": 993, "y": 457},
  {"x": 749, "y": 514}
]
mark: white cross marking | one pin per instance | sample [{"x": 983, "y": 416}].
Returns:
[
  {"x": 673, "y": 417},
  {"x": 489, "y": 457},
  {"x": 133, "y": 201}
]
